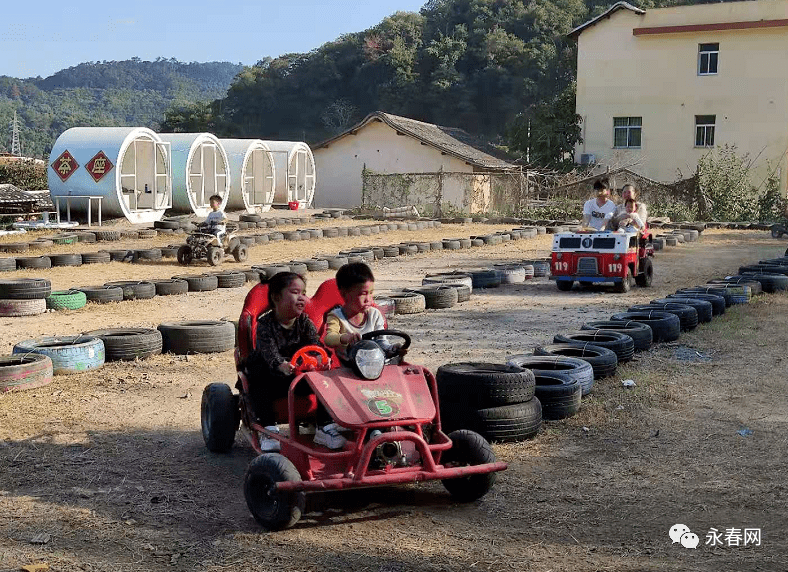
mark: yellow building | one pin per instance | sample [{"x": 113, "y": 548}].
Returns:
[{"x": 657, "y": 88}]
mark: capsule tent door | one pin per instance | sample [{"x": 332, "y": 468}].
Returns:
[
  {"x": 144, "y": 175},
  {"x": 295, "y": 172},
  {"x": 252, "y": 172},
  {"x": 199, "y": 170}
]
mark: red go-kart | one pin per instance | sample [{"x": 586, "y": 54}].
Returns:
[{"x": 389, "y": 407}]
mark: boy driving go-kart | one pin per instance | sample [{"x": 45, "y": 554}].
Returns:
[{"x": 388, "y": 407}]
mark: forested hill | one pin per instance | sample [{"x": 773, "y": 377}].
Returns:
[
  {"x": 131, "y": 92},
  {"x": 500, "y": 68}
]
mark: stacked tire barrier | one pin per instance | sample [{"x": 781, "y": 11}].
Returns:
[{"x": 24, "y": 296}]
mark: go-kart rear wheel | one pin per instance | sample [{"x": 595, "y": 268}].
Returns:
[
  {"x": 185, "y": 255},
  {"x": 215, "y": 255},
  {"x": 564, "y": 285},
  {"x": 468, "y": 449},
  {"x": 241, "y": 253},
  {"x": 271, "y": 508},
  {"x": 219, "y": 415},
  {"x": 646, "y": 277}
]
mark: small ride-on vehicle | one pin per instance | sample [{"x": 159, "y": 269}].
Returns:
[
  {"x": 203, "y": 244},
  {"x": 593, "y": 257},
  {"x": 389, "y": 407}
]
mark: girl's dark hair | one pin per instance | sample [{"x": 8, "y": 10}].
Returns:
[
  {"x": 279, "y": 282},
  {"x": 601, "y": 183},
  {"x": 354, "y": 273},
  {"x": 216, "y": 198}
]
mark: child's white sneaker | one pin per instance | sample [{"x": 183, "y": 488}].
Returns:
[
  {"x": 329, "y": 436},
  {"x": 270, "y": 445}
]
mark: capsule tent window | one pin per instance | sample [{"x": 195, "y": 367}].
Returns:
[
  {"x": 252, "y": 172},
  {"x": 295, "y": 172},
  {"x": 128, "y": 167},
  {"x": 199, "y": 170}
]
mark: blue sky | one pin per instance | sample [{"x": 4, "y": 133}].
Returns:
[{"x": 40, "y": 38}]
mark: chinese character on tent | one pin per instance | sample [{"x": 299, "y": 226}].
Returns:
[
  {"x": 65, "y": 165},
  {"x": 99, "y": 166}
]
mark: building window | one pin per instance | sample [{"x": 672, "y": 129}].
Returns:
[
  {"x": 627, "y": 131},
  {"x": 708, "y": 55},
  {"x": 704, "y": 130}
]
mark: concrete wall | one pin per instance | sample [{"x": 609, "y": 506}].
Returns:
[
  {"x": 383, "y": 151},
  {"x": 654, "y": 76}
]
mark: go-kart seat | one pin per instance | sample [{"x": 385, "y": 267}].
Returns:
[{"x": 255, "y": 304}]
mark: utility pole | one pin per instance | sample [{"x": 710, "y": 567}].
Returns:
[{"x": 15, "y": 149}]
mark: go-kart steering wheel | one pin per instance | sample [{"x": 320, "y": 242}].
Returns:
[
  {"x": 397, "y": 333},
  {"x": 305, "y": 360}
]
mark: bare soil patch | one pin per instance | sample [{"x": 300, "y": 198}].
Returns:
[{"x": 112, "y": 466}]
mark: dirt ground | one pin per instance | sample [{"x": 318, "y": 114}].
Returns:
[{"x": 111, "y": 464}]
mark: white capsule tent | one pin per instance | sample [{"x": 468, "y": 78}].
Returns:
[
  {"x": 124, "y": 169},
  {"x": 295, "y": 172},
  {"x": 199, "y": 170},
  {"x": 252, "y": 173}
]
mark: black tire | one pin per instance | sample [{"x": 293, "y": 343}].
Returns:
[
  {"x": 272, "y": 509},
  {"x": 200, "y": 282},
  {"x": 135, "y": 289},
  {"x": 171, "y": 224},
  {"x": 665, "y": 327},
  {"x": 468, "y": 449},
  {"x": 33, "y": 262},
  {"x": 482, "y": 385},
  {"x": 125, "y": 344},
  {"x": 169, "y": 251},
  {"x": 147, "y": 254},
  {"x": 185, "y": 255},
  {"x": 463, "y": 292},
  {"x": 603, "y": 361},
  {"x": 564, "y": 285},
  {"x": 208, "y": 336},
  {"x": 121, "y": 255},
  {"x": 755, "y": 286},
  {"x": 485, "y": 278},
  {"x": 250, "y": 217},
  {"x": 9, "y": 264},
  {"x": 316, "y": 264},
  {"x": 25, "y": 289},
  {"x": 107, "y": 235},
  {"x": 769, "y": 282},
  {"x": 65, "y": 259},
  {"x": 241, "y": 253},
  {"x": 702, "y": 307},
  {"x": 451, "y": 244},
  {"x": 646, "y": 276},
  {"x": 559, "y": 394},
  {"x": 14, "y": 247},
  {"x": 576, "y": 369},
  {"x": 620, "y": 343},
  {"x": 231, "y": 279},
  {"x": 171, "y": 287},
  {"x": 219, "y": 416},
  {"x": 102, "y": 294},
  {"x": 298, "y": 267},
  {"x": 437, "y": 297},
  {"x": 147, "y": 233},
  {"x": 688, "y": 315},
  {"x": 708, "y": 290},
  {"x": 215, "y": 255},
  {"x": 449, "y": 278},
  {"x": 510, "y": 273},
  {"x": 717, "y": 302},
  {"x": 100, "y": 257},
  {"x": 408, "y": 302},
  {"x": 507, "y": 423}
]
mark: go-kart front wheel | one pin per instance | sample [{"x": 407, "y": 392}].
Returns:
[
  {"x": 564, "y": 285},
  {"x": 219, "y": 416},
  {"x": 468, "y": 449},
  {"x": 271, "y": 508},
  {"x": 215, "y": 255}
]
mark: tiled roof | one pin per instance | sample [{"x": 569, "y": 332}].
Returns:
[
  {"x": 450, "y": 140},
  {"x": 14, "y": 200},
  {"x": 606, "y": 14}
]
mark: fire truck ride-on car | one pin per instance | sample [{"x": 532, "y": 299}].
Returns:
[{"x": 592, "y": 257}]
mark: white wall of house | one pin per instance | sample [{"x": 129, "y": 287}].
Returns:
[
  {"x": 377, "y": 146},
  {"x": 656, "y": 77}
]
